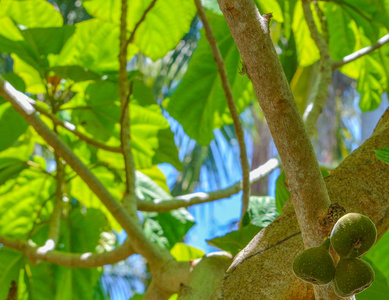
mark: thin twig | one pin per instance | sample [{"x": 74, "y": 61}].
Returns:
[
  {"x": 231, "y": 105},
  {"x": 72, "y": 128},
  {"x": 364, "y": 51},
  {"x": 164, "y": 205},
  {"x": 132, "y": 36},
  {"x": 57, "y": 210},
  {"x": 315, "y": 108},
  {"x": 323, "y": 21},
  {"x": 125, "y": 91}
]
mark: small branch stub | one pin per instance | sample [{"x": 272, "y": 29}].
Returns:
[{"x": 268, "y": 17}]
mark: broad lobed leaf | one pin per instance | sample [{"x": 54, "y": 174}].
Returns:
[{"x": 199, "y": 103}]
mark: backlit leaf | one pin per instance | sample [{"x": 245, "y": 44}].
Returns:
[
  {"x": 199, "y": 103},
  {"x": 164, "y": 26},
  {"x": 235, "y": 241},
  {"x": 261, "y": 211},
  {"x": 12, "y": 126},
  {"x": 383, "y": 154},
  {"x": 31, "y": 13}
]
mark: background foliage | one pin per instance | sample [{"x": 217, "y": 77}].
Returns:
[{"x": 64, "y": 55}]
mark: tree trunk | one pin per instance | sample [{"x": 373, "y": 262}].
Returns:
[{"x": 263, "y": 270}]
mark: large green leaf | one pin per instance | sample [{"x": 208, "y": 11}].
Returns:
[
  {"x": 166, "y": 229},
  {"x": 81, "y": 191},
  {"x": 147, "y": 189},
  {"x": 20, "y": 199},
  {"x": 35, "y": 51},
  {"x": 30, "y": 73},
  {"x": 165, "y": 25},
  {"x": 151, "y": 138},
  {"x": 261, "y": 211},
  {"x": 366, "y": 18},
  {"x": 31, "y": 13},
  {"x": 366, "y": 13},
  {"x": 12, "y": 126},
  {"x": 306, "y": 47},
  {"x": 302, "y": 85},
  {"x": 75, "y": 73},
  {"x": 342, "y": 29},
  {"x": 22, "y": 149},
  {"x": 80, "y": 234},
  {"x": 48, "y": 40},
  {"x": 101, "y": 113},
  {"x": 183, "y": 252},
  {"x": 10, "y": 31},
  {"x": 199, "y": 104},
  {"x": 15, "y": 80},
  {"x": 12, "y": 41},
  {"x": 372, "y": 82},
  {"x": 282, "y": 193},
  {"x": 86, "y": 228},
  {"x": 10, "y": 264},
  {"x": 158, "y": 177},
  {"x": 94, "y": 45},
  {"x": 383, "y": 154},
  {"x": 10, "y": 168},
  {"x": 235, "y": 241}
]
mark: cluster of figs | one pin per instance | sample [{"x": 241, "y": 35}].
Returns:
[{"x": 351, "y": 237}]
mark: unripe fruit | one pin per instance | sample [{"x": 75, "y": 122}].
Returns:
[
  {"x": 315, "y": 265},
  {"x": 353, "y": 235},
  {"x": 352, "y": 276}
]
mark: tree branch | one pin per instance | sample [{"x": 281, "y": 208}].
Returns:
[
  {"x": 75, "y": 260},
  {"x": 57, "y": 210},
  {"x": 141, "y": 244},
  {"x": 72, "y": 128},
  {"x": 231, "y": 105},
  {"x": 164, "y": 205},
  {"x": 364, "y": 51},
  {"x": 132, "y": 36},
  {"x": 129, "y": 198},
  {"x": 250, "y": 31},
  {"x": 320, "y": 92}
]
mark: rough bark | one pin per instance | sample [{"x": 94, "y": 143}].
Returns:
[{"x": 263, "y": 269}]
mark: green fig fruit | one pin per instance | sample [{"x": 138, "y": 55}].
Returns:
[
  {"x": 352, "y": 276},
  {"x": 315, "y": 265},
  {"x": 353, "y": 235}
]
